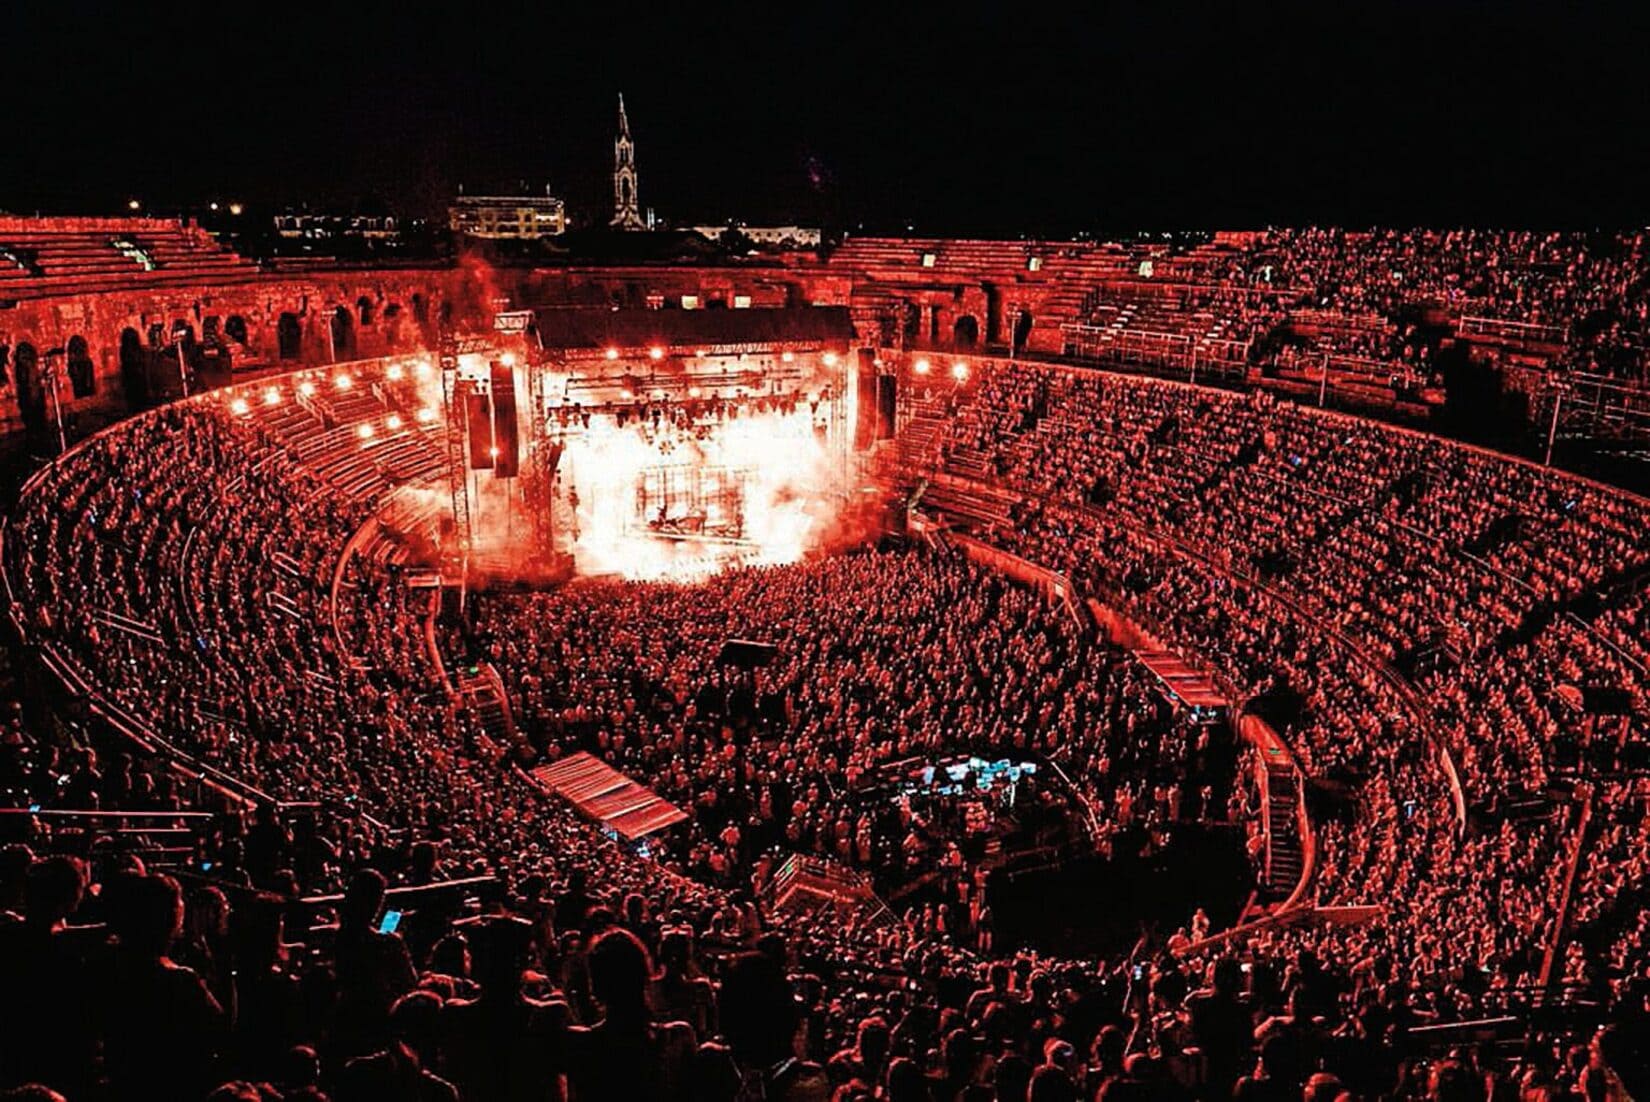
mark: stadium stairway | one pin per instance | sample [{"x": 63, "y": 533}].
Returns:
[{"x": 1285, "y": 857}]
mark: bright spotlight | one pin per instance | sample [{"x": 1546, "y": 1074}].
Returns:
[
  {"x": 920, "y": 367},
  {"x": 959, "y": 371},
  {"x": 343, "y": 382},
  {"x": 508, "y": 359},
  {"x": 426, "y": 415},
  {"x": 612, "y": 353},
  {"x": 239, "y": 407},
  {"x": 272, "y": 397},
  {"x": 830, "y": 359},
  {"x": 656, "y": 353},
  {"x": 394, "y": 372},
  {"x": 133, "y": 204},
  {"x": 626, "y": 395},
  {"x": 693, "y": 392},
  {"x": 393, "y": 421},
  {"x": 364, "y": 431},
  {"x": 787, "y": 357},
  {"x": 493, "y": 452},
  {"x": 235, "y": 209},
  {"x": 423, "y": 369},
  {"x": 306, "y": 388}
]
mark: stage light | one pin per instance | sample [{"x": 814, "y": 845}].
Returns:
[
  {"x": 656, "y": 353},
  {"x": 830, "y": 359},
  {"x": 393, "y": 421},
  {"x": 426, "y": 415},
  {"x": 493, "y": 452},
  {"x": 787, "y": 357},
  {"x": 508, "y": 359},
  {"x": 626, "y": 395},
  {"x": 306, "y": 388},
  {"x": 239, "y": 407},
  {"x": 612, "y": 353},
  {"x": 959, "y": 371},
  {"x": 235, "y": 209},
  {"x": 693, "y": 392},
  {"x": 423, "y": 369},
  {"x": 213, "y": 206},
  {"x": 920, "y": 367},
  {"x": 364, "y": 431},
  {"x": 272, "y": 397},
  {"x": 343, "y": 382},
  {"x": 133, "y": 204},
  {"x": 393, "y": 373},
  {"x": 658, "y": 395}
]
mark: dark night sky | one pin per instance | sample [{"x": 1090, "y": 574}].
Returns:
[{"x": 1014, "y": 120}]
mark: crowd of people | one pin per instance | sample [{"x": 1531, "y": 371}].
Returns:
[
  {"x": 1464, "y": 589},
  {"x": 932, "y": 656},
  {"x": 1411, "y": 616},
  {"x": 1361, "y": 296}
]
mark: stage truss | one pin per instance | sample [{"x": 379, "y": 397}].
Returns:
[{"x": 673, "y": 502}]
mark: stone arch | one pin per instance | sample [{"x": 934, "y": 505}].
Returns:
[
  {"x": 31, "y": 396},
  {"x": 965, "y": 331},
  {"x": 364, "y": 310},
  {"x": 289, "y": 336},
  {"x": 911, "y": 322},
  {"x": 235, "y": 329},
  {"x": 343, "y": 333},
  {"x": 24, "y": 361},
  {"x": 421, "y": 307},
  {"x": 134, "y": 367},
  {"x": 1022, "y": 327},
  {"x": 82, "y": 371}
]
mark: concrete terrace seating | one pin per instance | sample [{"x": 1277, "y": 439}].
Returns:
[
  {"x": 55, "y": 256},
  {"x": 1453, "y": 572}
]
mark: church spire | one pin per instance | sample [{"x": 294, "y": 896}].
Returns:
[{"x": 627, "y": 213}]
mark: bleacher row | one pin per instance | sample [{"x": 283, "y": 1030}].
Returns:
[
  {"x": 1575, "y": 299},
  {"x": 56, "y": 256},
  {"x": 1485, "y": 607}
]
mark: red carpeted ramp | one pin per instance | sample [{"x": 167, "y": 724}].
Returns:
[{"x": 608, "y": 796}]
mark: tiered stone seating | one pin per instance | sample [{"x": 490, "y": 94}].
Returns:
[
  {"x": 1395, "y": 543},
  {"x": 55, "y": 256}
]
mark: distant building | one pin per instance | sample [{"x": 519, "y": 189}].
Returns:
[
  {"x": 627, "y": 213},
  {"x": 775, "y": 237},
  {"x": 319, "y": 226},
  {"x": 508, "y": 217}
]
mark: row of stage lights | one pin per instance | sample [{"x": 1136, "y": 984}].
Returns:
[
  {"x": 959, "y": 370},
  {"x": 395, "y": 372},
  {"x": 658, "y": 353},
  {"x": 273, "y": 396}
]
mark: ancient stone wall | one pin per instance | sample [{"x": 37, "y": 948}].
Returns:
[{"x": 131, "y": 337}]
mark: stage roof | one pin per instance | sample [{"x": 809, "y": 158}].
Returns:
[
  {"x": 608, "y": 796},
  {"x": 598, "y": 327}
]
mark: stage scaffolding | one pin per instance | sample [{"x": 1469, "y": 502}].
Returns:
[{"x": 674, "y": 501}]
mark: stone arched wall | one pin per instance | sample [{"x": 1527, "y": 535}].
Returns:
[{"x": 257, "y": 305}]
